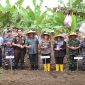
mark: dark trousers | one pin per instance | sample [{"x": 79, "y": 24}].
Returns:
[
  {"x": 0, "y": 57},
  {"x": 72, "y": 63},
  {"x": 33, "y": 61},
  {"x": 46, "y": 60},
  {"x": 19, "y": 56},
  {"x": 59, "y": 60}
]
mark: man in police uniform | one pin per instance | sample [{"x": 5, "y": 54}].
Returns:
[
  {"x": 9, "y": 50},
  {"x": 19, "y": 49}
]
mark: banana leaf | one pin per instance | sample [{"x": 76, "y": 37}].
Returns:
[{"x": 74, "y": 23}]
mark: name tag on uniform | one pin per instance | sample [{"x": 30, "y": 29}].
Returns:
[
  {"x": 43, "y": 57},
  {"x": 78, "y": 58},
  {"x": 9, "y": 57}
]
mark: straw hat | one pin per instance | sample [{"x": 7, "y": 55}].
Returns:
[
  {"x": 33, "y": 32},
  {"x": 45, "y": 34},
  {"x": 59, "y": 36},
  {"x": 73, "y": 34}
]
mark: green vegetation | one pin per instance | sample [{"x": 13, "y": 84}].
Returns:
[{"x": 27, "y": 18}]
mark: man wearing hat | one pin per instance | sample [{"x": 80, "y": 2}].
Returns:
[
  {"x": 19, "y": 49},
  {"x": 59, "y": 52},
  {"x": 32, "y": 45},
  {"x": 9, "y": 50},
  {"x": 46, "y": 50},
  {"x": 73, "y": 50}
]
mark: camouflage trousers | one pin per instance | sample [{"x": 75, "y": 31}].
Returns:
[
  {"x": 72, "y": 62},
  {"x": 6, "y": 61}
]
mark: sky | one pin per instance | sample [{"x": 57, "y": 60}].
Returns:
[{"x": 49, "y": 3}]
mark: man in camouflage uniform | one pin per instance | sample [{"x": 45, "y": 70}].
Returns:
[
  {"x": 73, "y": 51},
  {"x": 19, "y": 49}
]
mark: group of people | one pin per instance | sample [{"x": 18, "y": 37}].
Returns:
[{"x": 17, "y": 43}]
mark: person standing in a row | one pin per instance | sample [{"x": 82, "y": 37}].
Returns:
[
  {"x": 1, "y": 43},
  {"x": 59, "y": 52},
  {"x": 46, "y": 50},
  {"x": 8, "y": 48},
  {"x": 19, "y": 49},
  {"x": 32, "y": 45},
  {"x": 83, "y": 53},
  {"x": 73, "y": 51}
]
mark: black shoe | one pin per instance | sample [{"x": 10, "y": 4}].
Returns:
[
  {"x": 16, "y": 67},
  {"x": 32, "y": 67},
  {"x": 0, "y": 66},
  {"x": 72, "y": 68},
  {"x": 6, "y": 67},
  {"x": 36, "y": 67},
  {"x": 83, "y": 69},
  {"x": 13, "y": 67},
  {"x": 22, "y": 67}
]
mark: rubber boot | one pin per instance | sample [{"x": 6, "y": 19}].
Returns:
[
  {"x": 45, "y": 67},
  {"x": 48, "y": 67},
  {"x": 61, "y": 67},
  {"x": 57, "y": 67}
]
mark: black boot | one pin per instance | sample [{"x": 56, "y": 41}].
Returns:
[
  {"x": 16, "y": 66},
  {"x": 36, "y": 67},
  {"x": 0, "y": 65},
  {"x": 6, "y": 67},
  {"x": 32, "y": 67},
  {"x": 22, "y": 66}
]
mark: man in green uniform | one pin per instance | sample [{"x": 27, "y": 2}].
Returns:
[{"x": 73, "y": 51}]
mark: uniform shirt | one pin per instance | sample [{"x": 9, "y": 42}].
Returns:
[
  {"x": 34, "y": 43},
  {"x": 83, "y": 48},
  {"x": 74, "y": 43},
  {"x": 7, "y": 47},
  {"x": 19, "y": 40},
  {"x": 48, "y": 49},
  {"x": 62, "y": 45}
]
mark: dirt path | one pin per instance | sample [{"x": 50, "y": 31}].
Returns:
[{"x": 28, "y": 77}]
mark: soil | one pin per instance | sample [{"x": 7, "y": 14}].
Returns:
[{"x": 28, "y": 77}]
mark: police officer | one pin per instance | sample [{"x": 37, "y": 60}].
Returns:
[
  {"x": 19, "y": 49},
  {"x": 8, "y": 48}
]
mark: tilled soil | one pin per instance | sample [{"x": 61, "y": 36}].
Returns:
[{"x": 28, "y": 77}]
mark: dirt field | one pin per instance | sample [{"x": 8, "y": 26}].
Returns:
[{"x": 28, "y": 77}]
